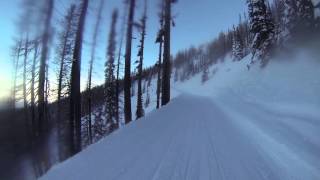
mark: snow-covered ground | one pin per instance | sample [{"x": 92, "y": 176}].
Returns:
[{"x": 256, "y": 124}]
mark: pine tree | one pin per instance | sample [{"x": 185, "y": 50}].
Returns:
[
  {"x": 26, "y": 50},
  {"x": 42, "y": 121},
  {"x": 110, "y": 81},
  {"x": 262, "y": 27},
  {"x": 317, "y": 20},
  {"x": 16, "y": 51},
  {"x": 118, "y": 64},
  {"x": 127, "y": 73},
  {"x": 289, "y": 18},
  {"x": 237, "y": 45},
  {"x": 91, "y": 62},
  {"x": 64, "y": 50},
  {"x": 75, "y": 95},
  {"x": 147, "y": 102},
  {"x": 305, "y": 15},
  {"x": 35, "y": 45},
  {"x": 140, "y": 111},
  {"x": 204, "y": 65}
]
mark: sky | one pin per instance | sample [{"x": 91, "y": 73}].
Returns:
[{"x": 197, "y": 22}]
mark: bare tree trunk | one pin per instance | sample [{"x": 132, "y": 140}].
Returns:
[
  {"x": 166, "y": 56},
  {"x": 127, "y": 73},
  {"x": 93, "y": 53},
  {"x": 75, "y": 96},
  {"x": 43, "y": 61}
]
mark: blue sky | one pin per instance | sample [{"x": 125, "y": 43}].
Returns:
[{"x": 197, "y": 22}]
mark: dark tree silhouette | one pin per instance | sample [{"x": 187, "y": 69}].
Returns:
[
  {"x": 127, "y": 70},
  {"x": 166, "y": 71},
  {"x": 42, "y": 122},
  {"x": 75, "y": 96}
]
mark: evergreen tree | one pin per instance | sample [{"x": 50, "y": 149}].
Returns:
[
  {"x": 16, "y": 51},
  {"x": 110, "y": 81},
  {"x": 205, "y": 74},
  {"x": 237, "y": 45},
  {"x": 42, "y": 121},
  {"x": 64, "y": 53},
  {"x": 289, "y": 18},
  {"x": 75, "y": 95},
  {"x": 147, "y": 102},
  {"x": 262, "y": 27},
  {"x": 122, "y": 31},
  {"x": 306, "y": 15},
  {"x": 317, "y": 20},
  {"x": 91, "y": 62},
  {"x": 140, "y": 111}
]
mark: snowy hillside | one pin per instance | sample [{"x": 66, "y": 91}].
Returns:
[{"x": 241, "y": 124}]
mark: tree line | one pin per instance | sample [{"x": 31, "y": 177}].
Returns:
[{"x": 62, "y": 104}]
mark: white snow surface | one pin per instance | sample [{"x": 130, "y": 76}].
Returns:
[{"x": 256, "y": 124}]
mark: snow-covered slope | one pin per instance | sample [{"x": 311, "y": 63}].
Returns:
[{"x": 241, "y": 124}]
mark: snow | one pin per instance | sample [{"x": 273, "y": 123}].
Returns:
[{"x": 256, "y": 124}]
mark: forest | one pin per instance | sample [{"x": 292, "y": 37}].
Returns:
[{"x": 50, "y": 98}]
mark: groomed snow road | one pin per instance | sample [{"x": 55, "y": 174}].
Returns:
[{"x": 194, "y": 138}]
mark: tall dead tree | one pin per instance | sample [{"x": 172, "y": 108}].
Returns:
[
  {"x": 92, "y": 58},
  {"x": 127, "y": 73},
  {"x": 75, "y": 95},
  {"x": 140, "y": 111},
  {"x": 166, "y": 69},
  {"x": 159, "y": 64},
  {"x": 43, "y": 62}
]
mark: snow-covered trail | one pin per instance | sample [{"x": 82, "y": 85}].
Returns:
[{"x": 194, "y": 138}]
